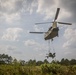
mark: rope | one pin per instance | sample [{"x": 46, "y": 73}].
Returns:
[
  {"x": 49, "y": 45},
  {"x": 52, "y": 47},
  {"x": 53, "y": 50}
]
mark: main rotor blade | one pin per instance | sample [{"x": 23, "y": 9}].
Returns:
[
  {"x": 57, "y": 12},
  {"x": 38, "y": 32},
  {"x": 43, "y": 23},
  {"x": 65, "y": 23}
]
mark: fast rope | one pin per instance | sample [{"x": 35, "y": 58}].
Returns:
[
  {"x": 50, "y": 46},
  {"x": 53, "y": 49}
]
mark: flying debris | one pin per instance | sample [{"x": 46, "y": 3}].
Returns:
[{"x": 53, "y": 30}]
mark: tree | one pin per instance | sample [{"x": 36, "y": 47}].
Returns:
[
  {"x": 5, "y": 59},
  {"x": 39, "y": 63},
  {"x": 46, "y": 61},
  {"x": 65, "y": 62},
  {"x": 31, "y": 62},
  {"x": 73, "y": 62},
  {"x": 22, "y": 62}
]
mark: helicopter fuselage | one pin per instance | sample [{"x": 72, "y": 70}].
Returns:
[{"x": 52, "y": 32}]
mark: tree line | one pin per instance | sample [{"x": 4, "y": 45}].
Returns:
[{"x": 6, "y": 59}]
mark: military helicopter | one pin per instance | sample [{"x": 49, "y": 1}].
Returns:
[{"x": 53, "y": 30}]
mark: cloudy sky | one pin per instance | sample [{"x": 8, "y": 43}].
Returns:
[{"x": 18, "y": 17}]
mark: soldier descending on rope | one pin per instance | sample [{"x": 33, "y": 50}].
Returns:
[{"x": 52, "y": 55}]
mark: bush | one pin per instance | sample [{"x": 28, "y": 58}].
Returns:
[
  {"x": 56, "y": 69},
  {"x": 45, "y": 69}
]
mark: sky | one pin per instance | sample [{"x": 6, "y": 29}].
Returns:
[{"x": 18, "y": 18}]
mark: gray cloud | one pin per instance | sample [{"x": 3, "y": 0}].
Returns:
[
  {"x": 6, "y": 48},
  {"x": 12, "y": 9},
  {"x": 29, "y": 5},
  {"x": 70, "y": 44},
  {"x": 13, "y": 6},
  {"x": 35, "y": 45},
  {"x": 70, "y": 6},
  {"x": 10, "y": 6},
  {"x": 12, "y": 34},
  {"x": 45, "y": 7}
]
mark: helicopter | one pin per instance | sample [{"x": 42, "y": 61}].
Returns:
[{"x": 53, "y": 30}]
